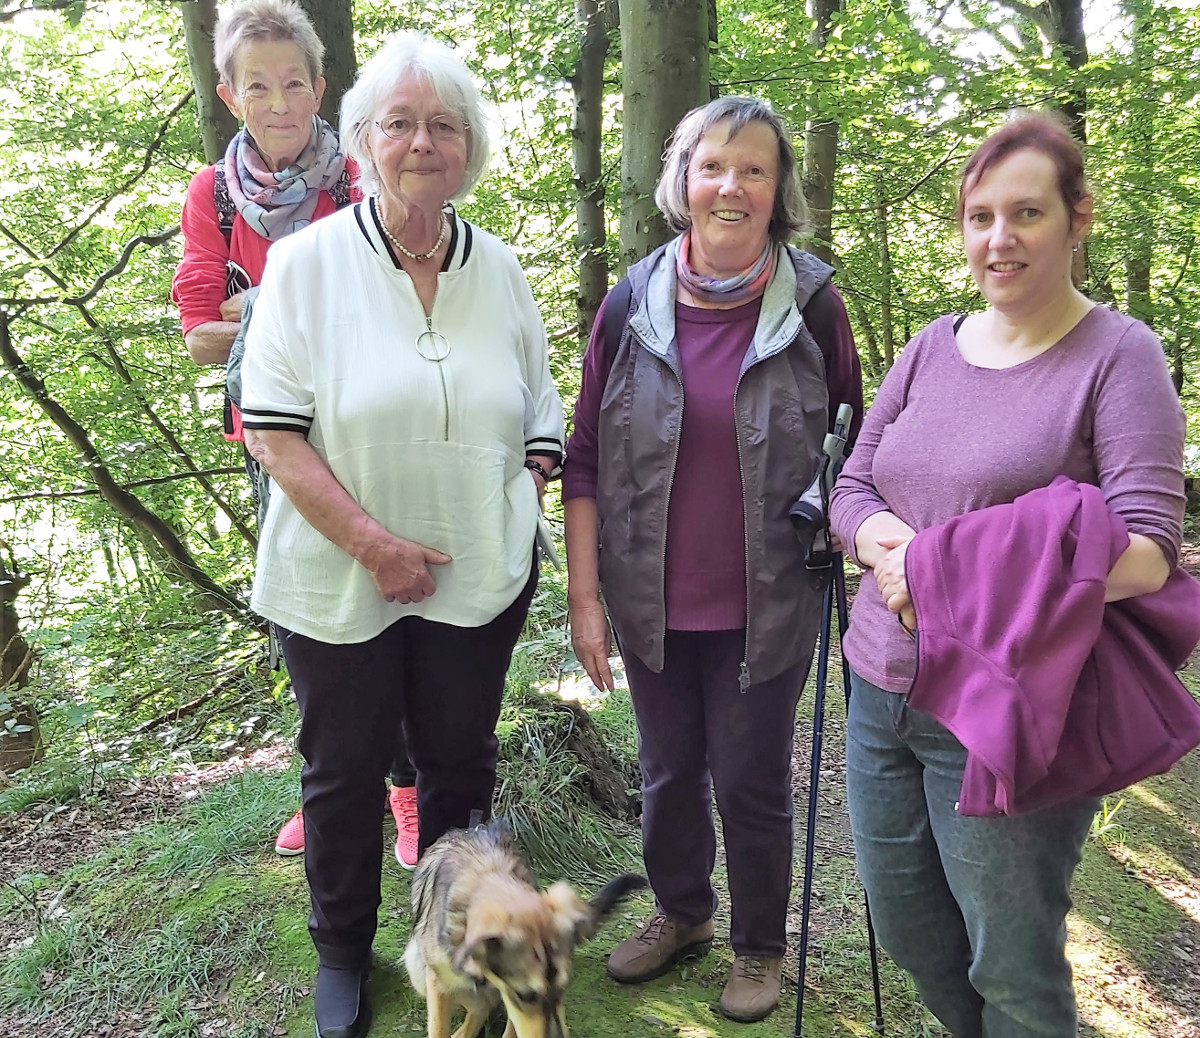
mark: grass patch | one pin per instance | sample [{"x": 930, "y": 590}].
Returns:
[
  {"x": 544, "y": 788},
  {"x": 193, "y": 927},
  {"x": 166, "y": 926},
  {"x": 43, "y": 785}
]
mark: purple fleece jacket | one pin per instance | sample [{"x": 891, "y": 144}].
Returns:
[
  {"x": 945, "y": 437},
  {"x": 1053, "y": 694}
]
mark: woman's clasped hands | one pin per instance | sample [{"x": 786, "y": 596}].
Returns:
[{"x": 892, "y": 581}]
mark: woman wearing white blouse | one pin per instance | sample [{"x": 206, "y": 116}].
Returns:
[{"x": 397, "y": 389}]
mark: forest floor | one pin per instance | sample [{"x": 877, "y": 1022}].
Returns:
[{"x": 160, "y": 910}]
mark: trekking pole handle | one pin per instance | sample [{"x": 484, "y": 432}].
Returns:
[{"x": 834, "y": 446}]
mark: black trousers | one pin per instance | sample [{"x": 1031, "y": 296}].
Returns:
[
  {"x": 401, "y": 771},
  {"x": 444, "y": 684},
  {"x": 697, "y": 731}
]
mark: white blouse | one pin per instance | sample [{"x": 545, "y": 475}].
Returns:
[{"x": 434, "y": 450}]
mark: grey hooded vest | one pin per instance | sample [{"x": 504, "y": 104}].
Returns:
[{"x": 781, "y": 409}]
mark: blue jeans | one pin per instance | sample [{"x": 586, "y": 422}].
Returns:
[{"x": 974, "y": 908}]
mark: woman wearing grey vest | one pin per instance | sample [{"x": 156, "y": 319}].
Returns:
[{"x": 679, "y": 516}]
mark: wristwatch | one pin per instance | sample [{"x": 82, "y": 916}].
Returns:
[{"x": 538, "y": 467}]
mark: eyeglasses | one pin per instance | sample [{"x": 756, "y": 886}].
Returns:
[
  {"x": 433, "y": 345},
  {"x": 401, "y": 126}
]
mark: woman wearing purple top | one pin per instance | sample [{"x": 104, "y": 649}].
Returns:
[
  {"x": 680, "y": 515},
  {"x": 976, "y": 412}
]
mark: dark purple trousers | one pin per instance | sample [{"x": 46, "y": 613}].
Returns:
[
  {"x": 445, "y": 684},
  {"x": 698, "y": 732}
]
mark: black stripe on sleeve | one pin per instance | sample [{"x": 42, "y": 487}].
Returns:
[{"x": 274, "y": 426}]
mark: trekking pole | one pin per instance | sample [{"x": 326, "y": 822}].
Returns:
[
  {"x": 834, "y": 597},
  {"x": 843, "y": 615},
  {"x": 834, "y": 447},
  {"x": 814, "y": 768}
]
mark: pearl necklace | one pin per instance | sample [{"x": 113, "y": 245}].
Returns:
[{"x": 420, "y": 257}]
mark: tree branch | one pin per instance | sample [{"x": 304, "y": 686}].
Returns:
[
  {"x": 125, "y": 503},
  {"x": 151, "y": 148},
  {"x": 942, "y": 12},
  {"x": 1037, "y": 15},
  {"x": 912, "y": 189},
  {"x": 123, "y": 372},
  {"x": 36, "y": 5},
  {"x": 157, "y": 238},
  {"x": 58, "y": 495}
]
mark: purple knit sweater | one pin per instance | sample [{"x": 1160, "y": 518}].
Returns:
[{"x": 944, "y": 437}]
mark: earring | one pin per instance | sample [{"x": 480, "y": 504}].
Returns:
[{"x": 1076, "y": 248}]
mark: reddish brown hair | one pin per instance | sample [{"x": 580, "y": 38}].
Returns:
[{"x": 1041, "y": 131}]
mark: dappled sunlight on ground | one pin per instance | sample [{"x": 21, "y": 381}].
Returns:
[
  {"x": 1118, "y": 1000},
  {"x": 577, "y": 686},
  {"x": 276, "y": 757},
  {"x": 1169, "y": 879},
  {"x": 1150, "y": 800}
]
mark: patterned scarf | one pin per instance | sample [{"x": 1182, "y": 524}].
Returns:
[
  {"x": 750, "y": 283},
  {"x": 275, "y": 204}
]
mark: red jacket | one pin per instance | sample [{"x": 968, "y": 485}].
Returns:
[
  {"x": 1053, "y": 693},
  {"x": 201, "y": 281}
]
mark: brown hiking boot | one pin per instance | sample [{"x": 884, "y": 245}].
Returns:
[
  {"x": 752, "y": 990},
  {"x": 656, "y": 947}
]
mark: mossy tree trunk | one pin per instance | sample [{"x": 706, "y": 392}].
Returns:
[
  {"x": 664, "y": 57},
  {"x": 217, "y": 124}
]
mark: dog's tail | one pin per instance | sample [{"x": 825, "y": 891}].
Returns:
[{"x": 607, "y": 898}]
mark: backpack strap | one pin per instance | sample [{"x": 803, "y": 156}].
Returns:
[
  {"x": 340, "y": 192},
  {"x": 226, "y": 210},
  {"x": 616, "y": 315}
]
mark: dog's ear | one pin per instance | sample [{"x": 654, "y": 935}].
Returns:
[
  {"x": 571, "y": 916},
  {"x": 605, "y": 900},
  {"x": 482, "y": 951}
]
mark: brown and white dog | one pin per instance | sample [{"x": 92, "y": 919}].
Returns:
[{"x": 483, "y": 932}]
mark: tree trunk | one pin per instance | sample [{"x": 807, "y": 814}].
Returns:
[
  {"x": 664, "y": 54},
  {"x": 873, "y": 361},
  {"x": 714, "y": 89},
  {"x": 20, "y": 735},
  {"x": 586, "y": 141},
  {"x": 885, "y": 290},
  {"x": 1178, "y": 353},
  {"x": 334, "y": 22},
  {"x": 1141, "y": 149},
  {"x": 217, "y": 124},
  {"x": 820, "y": 144},
  {"x": 1067, "y": 20}
]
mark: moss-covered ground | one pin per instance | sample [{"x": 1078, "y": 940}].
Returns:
[{"x": 191, "y": 926}]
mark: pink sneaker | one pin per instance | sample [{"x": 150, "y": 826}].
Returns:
[
  {"x": 290, "y": 840},
  {"x": 403, "y": 802}
]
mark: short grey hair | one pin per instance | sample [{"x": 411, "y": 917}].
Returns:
[
  {"x": 270, "y": 20},
  {"x": 451, "y": 80},
  {"x": 790, "y": 215}
]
